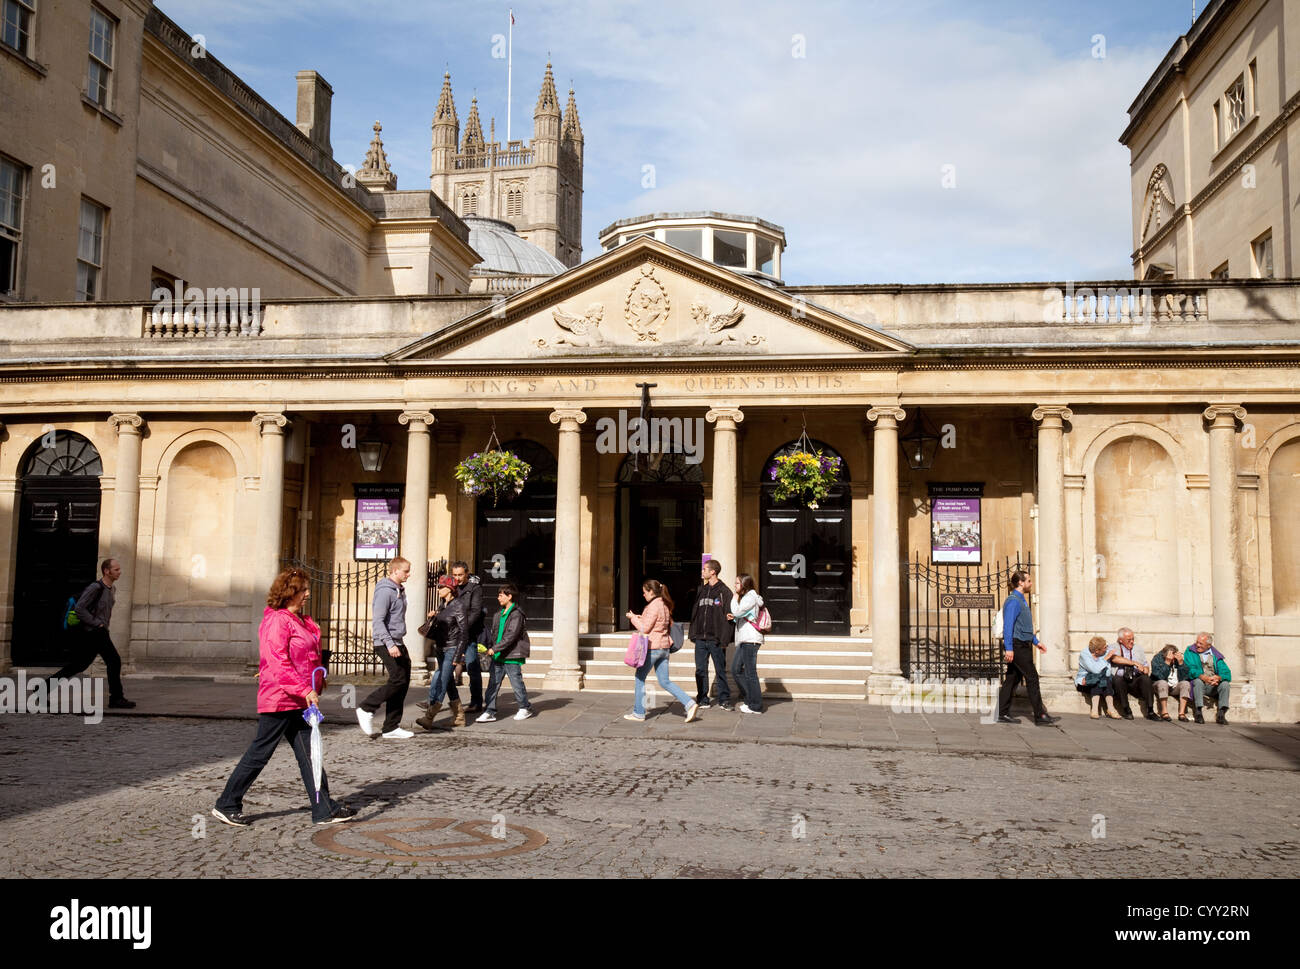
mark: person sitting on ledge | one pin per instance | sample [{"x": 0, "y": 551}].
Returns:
[
  {"x": 1210, "y": 677},
  {"x": 1093, "y": 679},
  {"x": 1169, "y": 672}
]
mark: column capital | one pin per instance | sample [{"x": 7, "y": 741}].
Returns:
[
  {"x": 887, "y": 413},
  {"x": 563, "y": 415},
  {"x": 416, "y": 420},
  {"x": 126, "y": 423},
  {"x": 714, "y": 415},
  {"x": 270, "y": 423},
  {"x": 1052, "y": 415},
  {"x": 1224, "y": 415}
]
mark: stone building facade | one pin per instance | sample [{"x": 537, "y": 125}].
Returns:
[{"x": 1212, "y": 139}]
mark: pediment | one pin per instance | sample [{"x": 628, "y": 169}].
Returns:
[{"x": 647, "y": 299}]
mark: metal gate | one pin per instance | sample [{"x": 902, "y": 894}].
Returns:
[
  {"x": 947, "y": 629},
  {"x": 341, "y": 597}
]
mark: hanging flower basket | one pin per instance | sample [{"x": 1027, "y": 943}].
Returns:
[
  {"x": 493, "y": 472},
  {"x": 805, "y": 475}
]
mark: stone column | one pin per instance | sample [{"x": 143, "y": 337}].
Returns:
[
  {"x": 725, "y": 546},
  {"x": 1050, "y": 569},
  {"x": 565, "y": 673},
  {"x": 126, "y": 525},
  {"x": 270, "y": 513},
  {"x": 1225, "y": 547},
  {"x": 415, "y": 528},
  {"x": 886, "y": 665}
]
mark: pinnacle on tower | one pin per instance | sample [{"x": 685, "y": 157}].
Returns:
[
  {"x": 446, "y": 110},
  {"x": 374, "y": 173},
  {"x": 572, "y": 127},
  {"x": 473, "y": 141},
  {"x": 548, "y": 102}
]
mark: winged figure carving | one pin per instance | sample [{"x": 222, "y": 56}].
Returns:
[
  {"x": 580, "y": 331},
  {"x": 715, "y": 327}
]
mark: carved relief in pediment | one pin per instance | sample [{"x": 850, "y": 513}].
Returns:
[{"x": 647, "y": 305}]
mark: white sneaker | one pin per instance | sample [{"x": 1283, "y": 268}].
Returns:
[
  {"x": 486, "y": 717},
  {"x": 744, "y": 708},
  {"x": 634, "y": 716},
  {"x": 397, "y": 733},
  {"x": 367, "y": 721},
  {"x": 524, "y": 714}
]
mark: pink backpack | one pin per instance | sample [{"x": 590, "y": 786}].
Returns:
[{"x": 763, "y": 622}]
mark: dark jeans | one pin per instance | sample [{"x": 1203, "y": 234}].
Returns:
[
  {"x": 87, "y": 644},
  {"x": 394, "y": 691},
  {"x": 475, "y": 674},
  {"x": 499, "y": 672},
  {"x": 704, "y": 650},
  {"x": 1140, "y": 684},
  {"x": 1020, "y": 668},
  {"x": 744, "y": 667},
  {"x": 1102, "y": 689},
  {"x": 443, "y": 683},
  {"x": 271, "y": 729}
]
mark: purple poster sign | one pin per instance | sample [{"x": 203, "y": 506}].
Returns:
[
  {"x": 955, "y": 530},
  {"x": 378, "y": 529}
]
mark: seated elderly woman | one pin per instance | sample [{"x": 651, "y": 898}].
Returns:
[
  {"x": 1093, "y": 679},
  {"x": 1169, "y": 674}
]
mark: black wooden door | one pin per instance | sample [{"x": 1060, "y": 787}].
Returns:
[
  {"x": 58, "y": 543},
  {"x": 518, "y": 545},
  {"x": 807, "y": 556},
  {"x": 665, "y": 542}
]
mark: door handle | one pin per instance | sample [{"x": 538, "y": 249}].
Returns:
[{"x": 643, "y": 560}]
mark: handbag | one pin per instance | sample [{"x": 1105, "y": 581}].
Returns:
[
  {"x": 424, "y": 630},
  {"x": 763, "y": 622},
  {"x": 637, "y": 648},
  {"x": 677, "y": 634}
]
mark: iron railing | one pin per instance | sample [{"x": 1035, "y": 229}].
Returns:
[
  {"x": 947, "y": 628},
  {"x": 341, "y": 597}
]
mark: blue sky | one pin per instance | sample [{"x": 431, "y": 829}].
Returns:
[{"x": 846, "y": 146}]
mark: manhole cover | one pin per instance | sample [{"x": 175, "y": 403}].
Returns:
[{"x": 428, "y": 839}]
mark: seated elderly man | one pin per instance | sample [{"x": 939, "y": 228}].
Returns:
[
  {"x": 1130, "y": 675},
  {"x": 1210, "y": 677}
]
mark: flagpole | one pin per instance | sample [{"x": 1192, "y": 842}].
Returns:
[{"x": 510, "y": 45}]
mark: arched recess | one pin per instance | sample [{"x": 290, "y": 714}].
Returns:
[
  {"x": 806, "y": 554},
  {"x": 199, "y": 526},
  {"x": 1278, "y": 466},
  {"x": 1135, "y": 513},
  {"x": 514, "y": 540},
  {"x": 58, "y": 541},
  {"x": 195, "y": 435}
]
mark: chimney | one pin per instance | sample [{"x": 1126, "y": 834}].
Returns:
[{"x": 314, "y": 94}]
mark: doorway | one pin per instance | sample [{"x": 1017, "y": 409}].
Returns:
[
  {"x": 58, "y": 544},
  {"x": 661, "y": 531},
  {"x": 807, "y": 557}
]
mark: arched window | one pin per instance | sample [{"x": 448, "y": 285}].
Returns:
[
  {"x": 469, "y": 201},
  {"x": 1158, "y": 204},
  {"x": 72, "y": 456},
  {"x": 662, "y": 468},
  {"x": 514, "y": 203}
]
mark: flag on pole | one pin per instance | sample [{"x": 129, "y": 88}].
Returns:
[{"x": 512, "y": 18}]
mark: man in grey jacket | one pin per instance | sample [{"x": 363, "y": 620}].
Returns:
[
  {"x": 389, "y": 628},
  {"x": 90, "y": 637}
]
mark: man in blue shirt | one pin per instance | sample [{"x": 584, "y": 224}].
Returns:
[{"x": 1018, "y": 650}]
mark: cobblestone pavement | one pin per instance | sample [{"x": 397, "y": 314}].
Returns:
[{"x": 131, "y": 796}]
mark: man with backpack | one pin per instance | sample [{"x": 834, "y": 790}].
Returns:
[{"x": 90, "y": 638}]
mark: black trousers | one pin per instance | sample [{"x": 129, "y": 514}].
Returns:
[
  {"x": 1140, "y": 684},
  {"x": 394, "y": 691},
  {"x": 271, "y": 729},
  {"x": 706, "y": 649},
  {"x": 1020, "y": 668},
  {"x": 87, "y": 644}
]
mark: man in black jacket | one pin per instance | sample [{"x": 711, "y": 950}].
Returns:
[
  {"x": 711, "y": 631},
  {"x": 470, "y": 590}
]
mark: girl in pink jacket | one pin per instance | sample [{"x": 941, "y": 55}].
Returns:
[
  {"x": 654, "y": 623},
  {"x": 289, "y": 649}
]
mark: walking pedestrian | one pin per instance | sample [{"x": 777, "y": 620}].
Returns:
[
  {"x": 470, "y": 588},
  {"x": 90, "y": 636},
  {"x": 389, "y": 630},
  {"x": 712, "y": 632},
  {"x": 288, "y": 645},
  {"x": 449, "y": 636},
  {"x": 654, "y": 623},
  {"x": 749, "y": 638},
  {"x": 510, "y": 648},
  {"x": 1018, "y": 645}
]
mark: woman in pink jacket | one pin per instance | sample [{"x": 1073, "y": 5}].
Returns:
[
  {"x": 654, "y": 624},
  {"x": 289, "y": 646}
]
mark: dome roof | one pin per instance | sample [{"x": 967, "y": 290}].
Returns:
[{"x": 503, "y": 251}]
